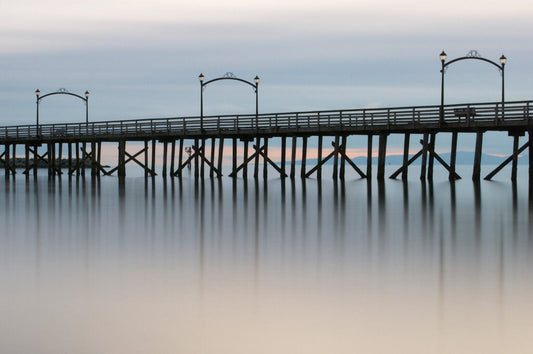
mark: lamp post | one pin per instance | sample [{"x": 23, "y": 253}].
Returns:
[
  {"x": 227, "y": 76},
  {"x": 37, "y": 93},
  {"x": 473, "y": 54},
  {"x": 87, "y": 107},
  {"x": 63, "y": 91}
]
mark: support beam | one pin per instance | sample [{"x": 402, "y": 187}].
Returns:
[
  {"x": 121, "y": 159},
  {"x": 476, "y": 174},
  {"x": 343, "y": 157},
  {"x": 304, "y": 156},
  {"x": 423, "y": 168},
  {"x": 172, "y": 157},
  {"x": 165, "y": 148},
  {"x": 245, "y": 158},
  {"x": 425, "y": 148},
  {"x": 382, "y": 153},
  {"x": 336, "y": 159},
  {"x": 504, "y": 163},
  {"x": 265, "y": 159},
  {"x": 212, "y": 159},
  {"x": 154, "y": 145},
  {"x": 319, "y": 171},
  {"x": 369, "y": 157},
  {"x": 293, "y": 157},
  {"x": 234, "y": 164},
  {"x": 515, "y": 158},
  {"x": 283, "y": 155},
  {"x": 146, "y": 158},
  {"x": 453, "y": 157},
  {"x": 406, "y": 141},
  {"x": 220, "y": 155},
  {"x": 256, "y": 163},
  {"x": 431, "y": 150}
]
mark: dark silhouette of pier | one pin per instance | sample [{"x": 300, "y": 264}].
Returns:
[{"x": 252, "y": 133}]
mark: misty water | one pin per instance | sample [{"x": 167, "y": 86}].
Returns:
[{"x": 154, "y": 266}]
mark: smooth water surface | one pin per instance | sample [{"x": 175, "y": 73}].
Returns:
[{"x": 98, "y": 266}]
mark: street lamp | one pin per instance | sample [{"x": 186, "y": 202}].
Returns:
[
  {"x": 227, "y": 76},
  {"x": 473, "y": 54},
  {"x": 37, "y": 93}
]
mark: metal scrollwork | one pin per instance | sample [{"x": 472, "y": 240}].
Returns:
[
  {"x": 473, "y": 54},
  {"x": 229, "y": 75},
  {"x": 62, "y": 90}
]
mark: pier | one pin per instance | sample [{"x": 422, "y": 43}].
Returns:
[{"x": 80, "y": 144}]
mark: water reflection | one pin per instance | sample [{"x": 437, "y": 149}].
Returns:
[{"x": 255, "y": 257}]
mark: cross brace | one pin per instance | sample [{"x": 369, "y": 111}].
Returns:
[
  {"x": 425, "y": 146},
  {"x": 337, "y": 150},
  {"x": 509, "y": 159},
  {"x": 257, "y": 153},
  {"x": 41, "y": 158},
  {"x": 198, "y": 152},
  {"x": 11, "y": 168},
  {"x": 134, "y": 159}
]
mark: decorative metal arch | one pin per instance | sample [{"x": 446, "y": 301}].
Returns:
[
  {"x": 471, "y": 55},
  {"x": 63, "y": 91},
  {"x": 227, "y": 76}
]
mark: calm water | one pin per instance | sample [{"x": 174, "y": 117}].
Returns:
[{"x": 183, "y": 267}]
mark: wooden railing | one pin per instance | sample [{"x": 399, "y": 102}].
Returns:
[{"x": 486, "y": 115}]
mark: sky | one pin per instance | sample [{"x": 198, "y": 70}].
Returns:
[{"x": 142, "y": 59}]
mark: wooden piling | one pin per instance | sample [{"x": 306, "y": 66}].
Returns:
[
  {"x": 336, "y": 159},
  {"x": 245, "y": 160},
  {"x": 265, "y": 159},
  {"x": 146, "y": 162},
  {"x": 476, "y": 174},
  {"x": 180, "y": 158},
  {"x": 530, "y": 150},
  {"x": 212, "y": 167},
  {"x": 515, "y": 158},
  {"x": 94, "y": 170},
  {"x": 423, "y": 167},
  {"x": 6, "y": 160},
  {"x": 154, "y": 145},
  {"x": 382, "y": 153},
  {"x": 220, "y": 155},
  {"x": 84, "y": 144},
  {"x": 69, "y": 158},
  {"x": 234, "y": 152},
  {"x": 122, "y": 158},
  {"x": 256, "y": 162},
  {"x": 165, "y": 148},
  {"x": 78, "y": 161},
  {"x": 50, "y": 149},
  {"x": 406, "y": 141},
  {"x": 369, "y": 157},
  {"x": 99, "y": 156},
  {"x": 35, "y": 154},
  {"x": 304, "y": 156},
  {"x": 27, "y": 159},
  {"x": 453, "y": 157},
  {"x": 202, "y": 158},
  {"x": 319, "y": 170},
  {"x": 172, "y": 157},
  {"x": 283, "y": 155},
  {"x": 196, "y": 152},
  {"x": 293, "y": 157},
  {"x": 343, "y": 158},
  {"x": 431, "y": 156}
]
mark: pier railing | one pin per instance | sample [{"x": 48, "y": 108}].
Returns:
[{"x": 458, "y": 116}]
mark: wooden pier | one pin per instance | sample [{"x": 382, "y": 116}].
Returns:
[{"x": 251, "y": 134}]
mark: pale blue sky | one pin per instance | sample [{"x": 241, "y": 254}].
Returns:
[{"x": 142, "y": 58}]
